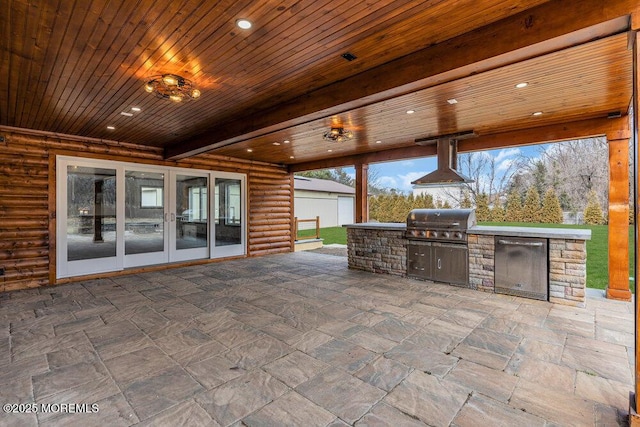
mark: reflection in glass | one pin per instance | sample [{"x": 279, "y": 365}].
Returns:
[
  {"x": 191, "y": 212},
  {"x": 144, "y": 212},
  {"x": 228, "y": 204},
  {"x": 91, "y": 213}
]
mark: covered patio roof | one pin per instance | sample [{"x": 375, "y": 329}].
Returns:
[
  {"x": 269, "y": 93},
  {"x": 299, "y": 339}
]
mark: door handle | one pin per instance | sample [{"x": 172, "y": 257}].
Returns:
[
  {"x": 166, "y": 217},
  {"x": 512, "y": 243},
  {"x": 439, "y": 263},
  {"x": 173, "y": 217}
]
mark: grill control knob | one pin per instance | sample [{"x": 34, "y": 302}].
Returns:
[
  {"x": 445, "y": 234},
  {"x": 433, "y": 234},
  {"x": 415, "y": 232},
  {"x": 423, "y": 233},
  {"x": 457, "y": 235}
]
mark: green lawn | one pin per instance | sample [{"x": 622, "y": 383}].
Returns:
[
  {"x": 597, "y": 250},
  {"x": 329, "y": 234}
]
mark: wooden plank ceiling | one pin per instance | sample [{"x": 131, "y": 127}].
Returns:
[{"x": 73, "y": 67}]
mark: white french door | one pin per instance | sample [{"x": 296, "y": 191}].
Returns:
[
  {"x": 116, "y": 215},
  {"x": 189, "y": 215},
  {"x": 87, "y": 218},
  {"x": 229, "y": 208},
  {"x": 146, "y": 236}
]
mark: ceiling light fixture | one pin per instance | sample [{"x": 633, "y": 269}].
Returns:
[
  {"x": 111, "y": 127},
  {"x": 537, "y": 113},
  {"x": 276, "y": 143},
  {"x": 286, "y": 141},
  {"x": 452, "y": 101},
  {"x": 249, "y": 150},
  {"x": 521, "y": 85},
  {"x": 338, "y": 134},
  {"x": 173, "y": 87},
  {"x": 378, "y": 142},
  {"x": 126, "y": 113},
  {"x": 245, "y": 24},
  {"x": 136, "y": 109},
  {"x": 411, "y": 111}
]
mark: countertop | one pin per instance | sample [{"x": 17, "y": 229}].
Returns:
[{"x": 493, "y": 230}]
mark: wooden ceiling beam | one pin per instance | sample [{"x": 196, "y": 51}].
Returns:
[
  {"x": 613, "y": 129},
  {"x": 537, "y": 31}
]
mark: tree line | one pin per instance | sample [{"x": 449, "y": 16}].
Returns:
[{"x": 396, "y": 207}]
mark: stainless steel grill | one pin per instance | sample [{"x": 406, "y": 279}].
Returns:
[
  {"x": 437, "y": 244},
  {"x": 440, "y": 225}
]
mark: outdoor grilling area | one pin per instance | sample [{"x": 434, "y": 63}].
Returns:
[{"x": 446, "y": 245}]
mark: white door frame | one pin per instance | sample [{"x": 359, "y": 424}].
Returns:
[{"x": 65, "y": 268}]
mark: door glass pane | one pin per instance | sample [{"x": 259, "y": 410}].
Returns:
[
  {"x": 91, "y": 213},
  {"x": 191, "y": 212},
  {"x": 144, "y": 212},
  {"x": 228, "y": 216}
]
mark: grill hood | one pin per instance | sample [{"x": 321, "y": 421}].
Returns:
[{"x": 446, "y": 173}]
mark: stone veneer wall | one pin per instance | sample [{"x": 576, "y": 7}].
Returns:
[
  {"x": 567, "y": 271},
  {"x": 481, "y": 262},
  {"x": 567, "y": 268},
  {"x": 385, "y": 251},
  {"x": 377, "y": 251}
]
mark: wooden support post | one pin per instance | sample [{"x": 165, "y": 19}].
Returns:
[
  {"x": 362, "y": 185},
  {"x": 317, "y": 227},
  {"x": 634, "y": 419},
  {"x": 618, "y": 287}
]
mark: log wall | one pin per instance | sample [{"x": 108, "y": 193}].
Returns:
[{"x": 27, "y": 199}]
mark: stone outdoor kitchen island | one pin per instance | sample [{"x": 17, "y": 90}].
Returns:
[{"x": 382, "y": 248}]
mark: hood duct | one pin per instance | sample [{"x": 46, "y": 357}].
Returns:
[{"x": 447, "y": 157}]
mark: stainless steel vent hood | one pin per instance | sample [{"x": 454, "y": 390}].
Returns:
[{"x": 447, "y": 152}]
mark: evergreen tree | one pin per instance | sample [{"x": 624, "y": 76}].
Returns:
[
  {"x": 482, "y": 208},
  {"x": 497, "y": 213},
  {"x": 531, "y": 211},
  {"x": 551, "y": 210},
  {"x": 593, "y": 211},
  {"x": 465, "y": 203},
  {"x": 513, "y": 209}
]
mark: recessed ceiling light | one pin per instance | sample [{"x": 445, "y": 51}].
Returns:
[
  {"x": 136, "y": 109},
  {"x": 276, "y": 143},
  {"x": 111, "y": 127},
  {"x": 245, "y": 24},
  {"x": 249, "y": 150},
  {"x": 521, "y": 85},
  {"x": 329, "y": 150},
  {"x": 378, "y": 142},
  {"x": 291, "y": 157},
  {"x": 411, "y": 111},
  {"x": 125, "y": 113},
  {"x": 286, "y": 141},
  {"x": 537, "y": 113},
  {"x": 452, "y": 101}
]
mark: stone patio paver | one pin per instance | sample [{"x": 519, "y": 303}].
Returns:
[{"x": 299, "y": 339}]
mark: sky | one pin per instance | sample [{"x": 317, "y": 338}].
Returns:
[{"x": 399, "y": 174}]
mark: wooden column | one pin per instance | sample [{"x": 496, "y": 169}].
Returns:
[
  {"x": 618, "y": 287},
  {"x": 634, "y": 419},
  {"x": 362, "y": 185}
]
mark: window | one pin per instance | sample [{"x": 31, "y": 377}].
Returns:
[
  {"x": 197, "y": 204},
  {"x": 151, "y": 197}
]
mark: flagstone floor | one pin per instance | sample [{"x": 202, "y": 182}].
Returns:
[{"x": 301, "y": 340}]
